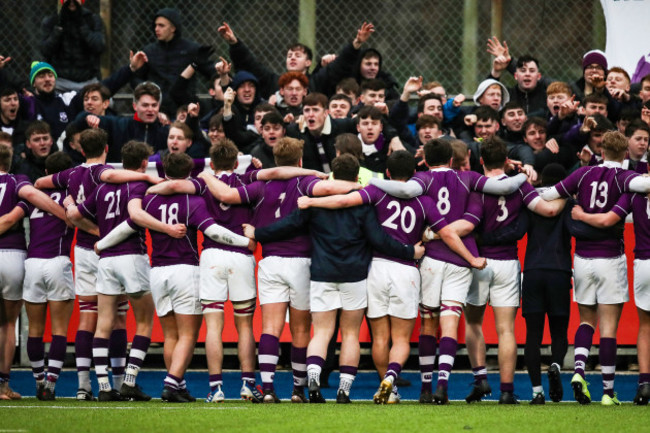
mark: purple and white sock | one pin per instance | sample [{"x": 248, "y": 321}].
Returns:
[
  {"x": 172, "y": 382},
  {"x": 248, "y": 377},
  {"x": 347, "y": 375},
  {"x": 36, "y": 355},
  {"x": 314, "y": 368},
  {"x": 100, "y": 356},
  {"x": 299, "y": 367},
  {"x": 137, "y": 354},
  {"x": 216, "y": 380},
  {"x": 607, "y": 357},
  {"x": 55, "y": 359},
  {"x": 268, "y": 354},
  {"x": 83, "y": 352},
  {"x": 394, "y": 369},
  {"x": 427, "y": 353},
  {"x": 582, "y": 344},
  {"x": 480, "y": 373},
  {"x": 117, "y": 352},
  {"x": 446, "y": 359},
  {"x": 182, "y": 384}
]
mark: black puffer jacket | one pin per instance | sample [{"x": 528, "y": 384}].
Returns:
[
  {"x": 72, "y": 42},
  {"x": 168, "y": 59}
]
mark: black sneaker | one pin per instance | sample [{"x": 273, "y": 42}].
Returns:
[
  {"x": 172, "y": 396},
  {"x": 314, "y": 392},
  {"x": 440, "y": 396},
  {"x": 270, "y": 397},
  {"x": 111, "y": 395},
  {"x": 508, "y": 397},
  {"x": 426, "y": 397},
  {"x": 400, "y": 382},
  {"x": 46, "y": 394},
  {"x": 642, "y": 395},
  {"x": 538, "y": 399},
  {"x": 40, "y": 387},
  {"x": 185, "y": 393},
  {"x": 342, "y": 397},
  {"x": 133, "y": 393},
  {"x": 83, "y": 395},
  {"x": 555, "y": 390},
  {"x": 298, "y": 396},
  {"x": 479, "y": 390}
]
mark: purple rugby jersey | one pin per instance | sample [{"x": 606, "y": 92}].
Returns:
[
  {"x": 49, "y": 236},
  {"x": 14, "y": 238},
  {"x": 598, "y": 189},
  {"x": 640, "y": 207},
  {"x": 80, "y": 182},
  {"x": 501, "y": 211},
  {"x": 174, "y": 209},
  {"x": 229, "y": 216},
  {"x": 108, "y": 205},
  {"x": 450, "y": 192},
  {"x": 403, "y": 219},
  {"x": 274, "y": 200}
]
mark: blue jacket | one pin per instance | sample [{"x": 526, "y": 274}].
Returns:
[{"x": 342, "y": 241}]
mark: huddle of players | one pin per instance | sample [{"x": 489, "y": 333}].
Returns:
[{"x": 452, "y": 203}]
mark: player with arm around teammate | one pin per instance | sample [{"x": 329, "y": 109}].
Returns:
[
  {"x": 600, "y": 268},
  {"x": 640, "y": 207},
  {"x": 13, "y": 252},
  {"x": 393, "y": 284},
  {"x": 80, "y": 182},
  {"x": 339, "y": 267},
  {"x": 446, "y": 276},
  {"x": 122, "y": 269},
  {"x": 48, "y": 283},
  {"x": 499, "y": 281}
]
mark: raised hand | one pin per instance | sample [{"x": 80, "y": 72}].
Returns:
[
  {"x": 227, "y": 34},
  {"x": 496, "y": 48},
  {"x": 327, "y": 59},
  {"x": 568, "y": 107},
  {"x": 413, "y": 84},
  {"x": 193, "y": 109},
  {"x": 552, "y": 145},
  {"x": 4, "y": 60},
  {"x": 222, "y": 66},
  {"x": 137, "y": 60},
  {"x": 363, "y": 34},
  {"x": 229, "y": 96}
]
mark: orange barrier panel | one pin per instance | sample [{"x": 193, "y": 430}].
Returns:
[{"x": 627, "y": 331}]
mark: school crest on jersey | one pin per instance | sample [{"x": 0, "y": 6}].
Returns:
[{"x": 63, "y": 117}]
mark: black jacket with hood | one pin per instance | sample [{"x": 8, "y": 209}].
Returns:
[{"x": 168, "y": 59}]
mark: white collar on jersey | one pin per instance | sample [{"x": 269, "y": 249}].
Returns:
[
  {"x": 440, "y": 169},
  {"x": 612, "y": 164}
]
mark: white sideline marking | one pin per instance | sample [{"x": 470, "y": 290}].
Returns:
[{"x": 112, "y": 408}]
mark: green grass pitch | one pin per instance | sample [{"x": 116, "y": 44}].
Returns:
[{"x": 67, "y": 416}]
